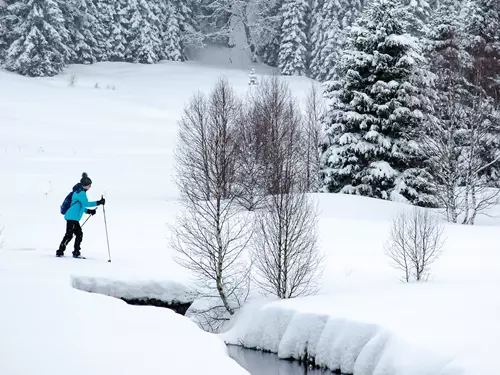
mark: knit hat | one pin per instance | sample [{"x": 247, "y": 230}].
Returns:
[{"x": 85, "y": 181}]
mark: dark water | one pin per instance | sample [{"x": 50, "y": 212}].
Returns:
[{"x": 261, "y": 363}]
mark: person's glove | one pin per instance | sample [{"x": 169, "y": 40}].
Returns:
[
  {"x": 91, "y": 212},
  {"x": 101, "y": 201}
]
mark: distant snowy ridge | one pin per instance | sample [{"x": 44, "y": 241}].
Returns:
[
  {"x": 167, "y": 290},
  {"x": 343, "y": 345}
]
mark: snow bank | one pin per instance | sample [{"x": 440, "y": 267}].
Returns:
[
  {"x": 164, "y": 290},
  {"x": 340, "y": 344},
  {"x": 55, "y": 329}
]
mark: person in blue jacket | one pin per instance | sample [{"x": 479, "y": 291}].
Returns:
[{"x": 79, "y": 206}]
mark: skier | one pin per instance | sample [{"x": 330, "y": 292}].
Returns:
[{"x": 76, "y": 205}]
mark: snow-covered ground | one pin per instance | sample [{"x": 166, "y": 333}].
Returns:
[
  {"x": 124, "y": 138},
  {"x": 366, "y": 322}
]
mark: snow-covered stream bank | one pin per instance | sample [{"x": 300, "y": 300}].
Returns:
[{"x": 356, "y": 334}]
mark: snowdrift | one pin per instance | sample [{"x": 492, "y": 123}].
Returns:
[
  {"x": 345, "y": 345},
  {"x": 166, "y": 290}
]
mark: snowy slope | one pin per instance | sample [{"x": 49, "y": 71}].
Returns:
[{"x": 124, "y": 138}]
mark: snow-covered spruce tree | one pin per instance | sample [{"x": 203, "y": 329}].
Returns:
[
  {"x": 188, "y": 18},
  {"x": 81, "y": 23},
  {"x": 3, "y": 32},
  {"x": 292, "y": 55},
  {"x": 10, "y": 11},
  {"x": 103, "y": 12},
  {"x": 331, "y": 46},
  {"x": 316, "y": 36},
  {"x": 377, "y": 108},
  {"x": 172, "y": 49},
  {"x": 41, "y": 40},
  {"x": 158, "y": 13},
  {"x": 144, "y": 39},
  {"x": 482, "y": 24},
  {"x": 350, "y": 12},
  {"x": 270, "y": 21},
  {"x": 416, "y": 15},
  {"x": 121, "y": 12},
  {"x": 337, "y": 17}
]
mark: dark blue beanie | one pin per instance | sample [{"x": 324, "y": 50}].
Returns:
[{"x": 85, "y": 181}]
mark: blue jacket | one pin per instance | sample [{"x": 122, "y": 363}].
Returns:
[{"x": 79, "y": 204}]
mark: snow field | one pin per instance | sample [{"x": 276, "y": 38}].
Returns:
[{"x": 363, "y": 319}]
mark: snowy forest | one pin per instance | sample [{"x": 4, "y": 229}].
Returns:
[{"x": 412, "y": 85}]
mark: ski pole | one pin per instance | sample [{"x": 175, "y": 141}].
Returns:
[
  {"x": 106, "y": 226},
  {"x": 88, "y": 218}
]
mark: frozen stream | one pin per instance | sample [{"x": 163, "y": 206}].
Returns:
[{"x": 262, "y": 363}]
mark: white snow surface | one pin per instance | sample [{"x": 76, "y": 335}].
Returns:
[
  {"x": 364, "y": 318},
  {"x": 169, "y": 291},
  {"x": 50, "y": 328},
  {"x": 124, "y": 138},
  {"x": 366, "y": 322}
]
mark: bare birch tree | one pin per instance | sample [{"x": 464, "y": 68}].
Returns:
[
  {"x": 461, "y": 141},
  {"x": 482, "y": 132},
  {"x": 442, "y": 146},
  {"x": 285, "y": 252},
  {"x": 273, "y": 115},
  {"x": 210, "y": 235},
  {"x": 415, "y": 243},
  {"x": 315, "y": 111}
]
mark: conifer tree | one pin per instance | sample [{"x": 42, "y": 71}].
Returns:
[
  {"x": 144, "y": 40},
  {"x": 482, "y": 24},
  {"x": 82, "y": 25},
  {"x": 172, "y": 36},
  {"x": 292, "y": 56},
  {"x": 378, "y": 107},
  {"x": 41, "y": 40},
  {"x": 269, "y": 41},
  {"x": 3, "y": 32},
  {"x": 317, "y": 37}
]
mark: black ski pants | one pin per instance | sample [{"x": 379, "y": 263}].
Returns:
[{"x": 72, "y": 228}]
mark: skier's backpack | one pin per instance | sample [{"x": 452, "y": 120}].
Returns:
[{"x": 66, "y": 204}]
